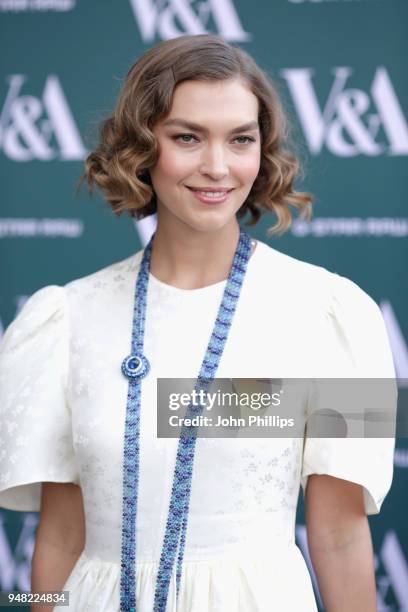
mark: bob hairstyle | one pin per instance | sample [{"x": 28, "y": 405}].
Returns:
[{"x": 127, "y": 147}]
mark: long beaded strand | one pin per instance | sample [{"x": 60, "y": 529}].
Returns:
[
  {"x": 135, "y": 367},
  {"x": 130, "y": 366}
]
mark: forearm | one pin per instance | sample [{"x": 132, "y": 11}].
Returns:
[
  {"x": 344, "y": 566},
  {"x": 50, "y": 567}
]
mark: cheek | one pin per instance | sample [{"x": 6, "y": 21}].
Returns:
[
  {"x": 249, "y": 169},
  {"x": 172, "y": 164}
]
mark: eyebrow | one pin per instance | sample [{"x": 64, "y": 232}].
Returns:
[{"x": 252, "y": 125}]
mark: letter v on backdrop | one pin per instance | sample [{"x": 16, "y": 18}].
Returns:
[
  {"x": 159, "y": 20},
  {"x": 349, "y": 111}
]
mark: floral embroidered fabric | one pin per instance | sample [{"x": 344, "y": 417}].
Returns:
[{"x": 62, "y": 411}]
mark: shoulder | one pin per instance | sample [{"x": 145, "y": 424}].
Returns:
[
  {"x": 103, "y": 295},
  {"x": 42, "y": 313},
  {"x": 47, "y": 313},
  {"x": 310, "y": 282},
  {"x": 343, "y": 320},
  {"x": 106, "y": 278}
]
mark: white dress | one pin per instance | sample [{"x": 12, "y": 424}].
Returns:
[{"x": 62, "y": 415}]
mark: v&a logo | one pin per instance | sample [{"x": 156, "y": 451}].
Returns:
[
  {"x": 172, "y": 18},
  {"x": 15, "y": 563},
  {"x": 391, "y": 571},
  {"x": 39, "y": 129},
  {"x": 346, "y": 125}
]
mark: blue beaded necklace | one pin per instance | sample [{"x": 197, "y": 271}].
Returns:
[{"x": 135, "y": 367}]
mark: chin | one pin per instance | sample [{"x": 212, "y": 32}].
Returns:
[
  {"x": 210, "y": 220},
  {"x": 209, "y": 225}
]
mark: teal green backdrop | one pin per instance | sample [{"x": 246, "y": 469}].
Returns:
[{"x": 340, "y": 69}]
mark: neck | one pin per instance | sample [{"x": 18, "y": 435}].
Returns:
[{"x": 190, "y": 259}]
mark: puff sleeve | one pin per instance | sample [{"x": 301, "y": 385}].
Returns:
[
  {"x": 35, "y": 425},
  {"x": 355, "y": 345}
]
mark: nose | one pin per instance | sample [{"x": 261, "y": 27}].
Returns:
[{"x": 214, "y": 162}]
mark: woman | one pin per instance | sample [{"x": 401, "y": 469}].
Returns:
[{"x": 198, "y": 136}]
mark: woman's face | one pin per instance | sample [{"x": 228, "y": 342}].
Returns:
[{"x": 209, "y": 141}]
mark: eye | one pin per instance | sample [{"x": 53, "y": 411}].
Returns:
[
  {"x": 247, "y": 138},
  {"x": 185, "y": 137}
]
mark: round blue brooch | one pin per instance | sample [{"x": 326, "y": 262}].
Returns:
[{"x": 135, "y": 367}]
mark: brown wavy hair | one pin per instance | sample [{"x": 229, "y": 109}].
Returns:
[{"x": 127, "y": 147}]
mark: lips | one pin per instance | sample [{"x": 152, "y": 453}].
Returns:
[
  {"x": 211, "y": 189},
  {"x": 210, "y": 196}
]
